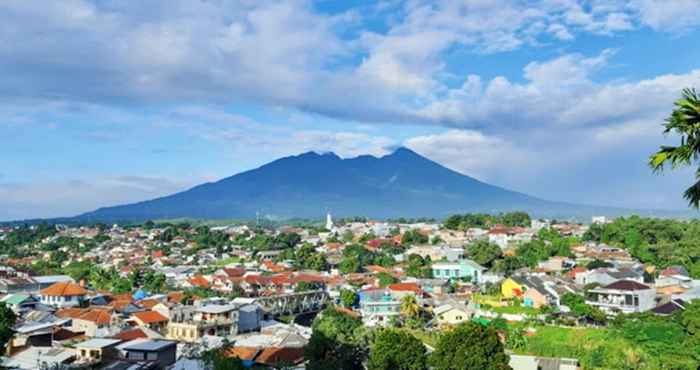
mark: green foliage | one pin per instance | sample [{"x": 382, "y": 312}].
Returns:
[
  {"x": 484, "y": 253},
  {"x": 7, "y": 321},
  {"x": 385, "y": 279},
  {"x": 481, "y": 220},
  {"x": 661, "y": 242},
  {"x": 411, "y": 237},
  {"x": 685, "y": 122},
  {"x": 348, "y": 298},
  {"x": 419, "y": 267},
  {"x": 469, "y": 346},
  {"x": 307, "y": 258},
  {"x": 216, "y": 359},
  {"x": 394, "y": 349},
  {"x": 338, "y": 341}
]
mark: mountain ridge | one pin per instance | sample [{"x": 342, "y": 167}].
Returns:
[{"x": 399, "y": 184}]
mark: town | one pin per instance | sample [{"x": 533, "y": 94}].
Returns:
[{"x": 503, "y": 291}]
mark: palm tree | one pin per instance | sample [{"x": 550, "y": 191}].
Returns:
[
  {"x": 409, "y": 306},
  {"x": 684, "y": 121}
]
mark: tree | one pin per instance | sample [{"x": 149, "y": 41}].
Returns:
[
  {"x": 394, "y": 349},
  {"x": 419, "y": 267},
  {"x": 690, "y": 318},
  {"x": 469, "y": 346},
  {"x": 7, "y": 321},
  {"x": 484, "y": 253},
  {"x": 385, "y": 279},
  {"x": 684, "y": 121},
  {"x": 216, "y": 359},
  {"x": 411, "y": 237},
  {"x": 410, "y": 307},
  {"x": 337, "y": 342},
  {"x": 348, "y": 298}
]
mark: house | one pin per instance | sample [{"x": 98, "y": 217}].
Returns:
[
  {"x": 669, "y": 307},
  {"x": 30, "y": 357},
  {"x": 95, "y": 351},
  {"x": 162, "y": 353},
  {"x": 378, "y": 306},
  {"x": 63, "y": 294},
  {"x": 452, "y": 313},
  {"x": 150, "y": 319},
  {"x": 624, "y": 296},
  {"x": 462, "y": 269},
  {"x": 20, "y": 303},
  {"x": 93, "y": 322},
  {"x": 527, "y": 362},
  {"x": 212, "y": 319},
  {"x": 511, "y": 288}
]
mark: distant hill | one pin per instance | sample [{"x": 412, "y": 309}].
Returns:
[{"x": 401, "y": 184}]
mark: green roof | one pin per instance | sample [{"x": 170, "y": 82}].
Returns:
[{"x": 15, "y": 298}]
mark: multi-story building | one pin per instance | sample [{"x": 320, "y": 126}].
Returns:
[
  {"x": 624, "y": 296},
  {"x": 213, "y": 319},
  {"x": 462, "y": 269}
]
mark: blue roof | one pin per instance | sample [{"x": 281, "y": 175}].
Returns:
[{"x": 140, "y": 294}]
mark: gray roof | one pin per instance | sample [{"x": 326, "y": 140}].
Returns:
[
  {"x": 150, "y": 345},
  {"x": 98, "y": 343}
]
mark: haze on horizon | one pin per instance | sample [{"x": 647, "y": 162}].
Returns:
[{"x": 109, "y": 102}]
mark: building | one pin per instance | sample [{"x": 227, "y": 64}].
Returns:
[
  {"x": 212, "y": 319},
  {"x": 63, "y": 294},
  {"x": 452, "y": 313},
  {"x": 160, "y": 352},
  {"x": 462, "y": 269},
  {"x": 150, "y": 319},
  {"x": 95, "y": 351},
  {"x": 378, "y": 306},
  {"x": 624, "y": 296}
]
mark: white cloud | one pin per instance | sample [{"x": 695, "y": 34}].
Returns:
[{"x": 671, "y": 15}]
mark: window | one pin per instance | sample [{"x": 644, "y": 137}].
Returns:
[{"x": 151, "y": 356}]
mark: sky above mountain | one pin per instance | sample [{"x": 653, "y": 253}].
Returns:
[{"x": 107, "y": 102}]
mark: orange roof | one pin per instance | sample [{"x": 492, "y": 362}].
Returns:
[
  {"x": 405, "y": 287},
  {"x": 176, "y": 297},
  {"x": 131, "y": 334},
  {"x": 63, "y": 289},
  {"x": 149, "y": 317},
  {"x": 347, "y": 311},
  {"x": 244, "y": 353},
  {"x": 98, "y": 316},
  {"x": 199, "y": 280},
  {"x": 148, "y": 303},
  {"x": 273, "y": 356}
]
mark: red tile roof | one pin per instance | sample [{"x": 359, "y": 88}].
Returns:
[
  {"x": 244, "y": 353},
  {"x": 273, "y": 356},
  {"x": 149, "y": 317},
  {"x": 199, "y": 280},
  {"x": 405, "y": 287},
  {"x": 64, "y": 289},
  {"x": 131, "y": 334}
]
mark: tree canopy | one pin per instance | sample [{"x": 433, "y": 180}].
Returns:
[
  {"x": 469, "y": 346},
  {"x": 394, "y": 349}
]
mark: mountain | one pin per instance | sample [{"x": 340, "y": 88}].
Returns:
[{"x": 401, "y": 184}]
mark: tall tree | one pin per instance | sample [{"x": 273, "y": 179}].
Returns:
[
  {"x": 7, "y": 321},
  {"x": 397, "y": 350},
  {"x": 410, "y": 307},
  {"x": 684, "y": 121},
  {"x": 470, "y": 346}
]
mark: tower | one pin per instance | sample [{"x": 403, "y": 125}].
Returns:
[{"x": 329, "y": 222}]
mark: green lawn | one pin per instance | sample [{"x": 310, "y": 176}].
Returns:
[
  {"x": 598, "y": 349},
  {"x": 227, "y": 261},
  {"x": 515, "y": 310}
]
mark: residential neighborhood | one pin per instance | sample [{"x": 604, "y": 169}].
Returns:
[{"x": 161, "y": 295}]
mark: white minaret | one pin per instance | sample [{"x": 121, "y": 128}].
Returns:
[{"x": 329, "y": 222}]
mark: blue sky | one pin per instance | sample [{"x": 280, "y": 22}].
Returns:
[{"x": 104, "y": 102}]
